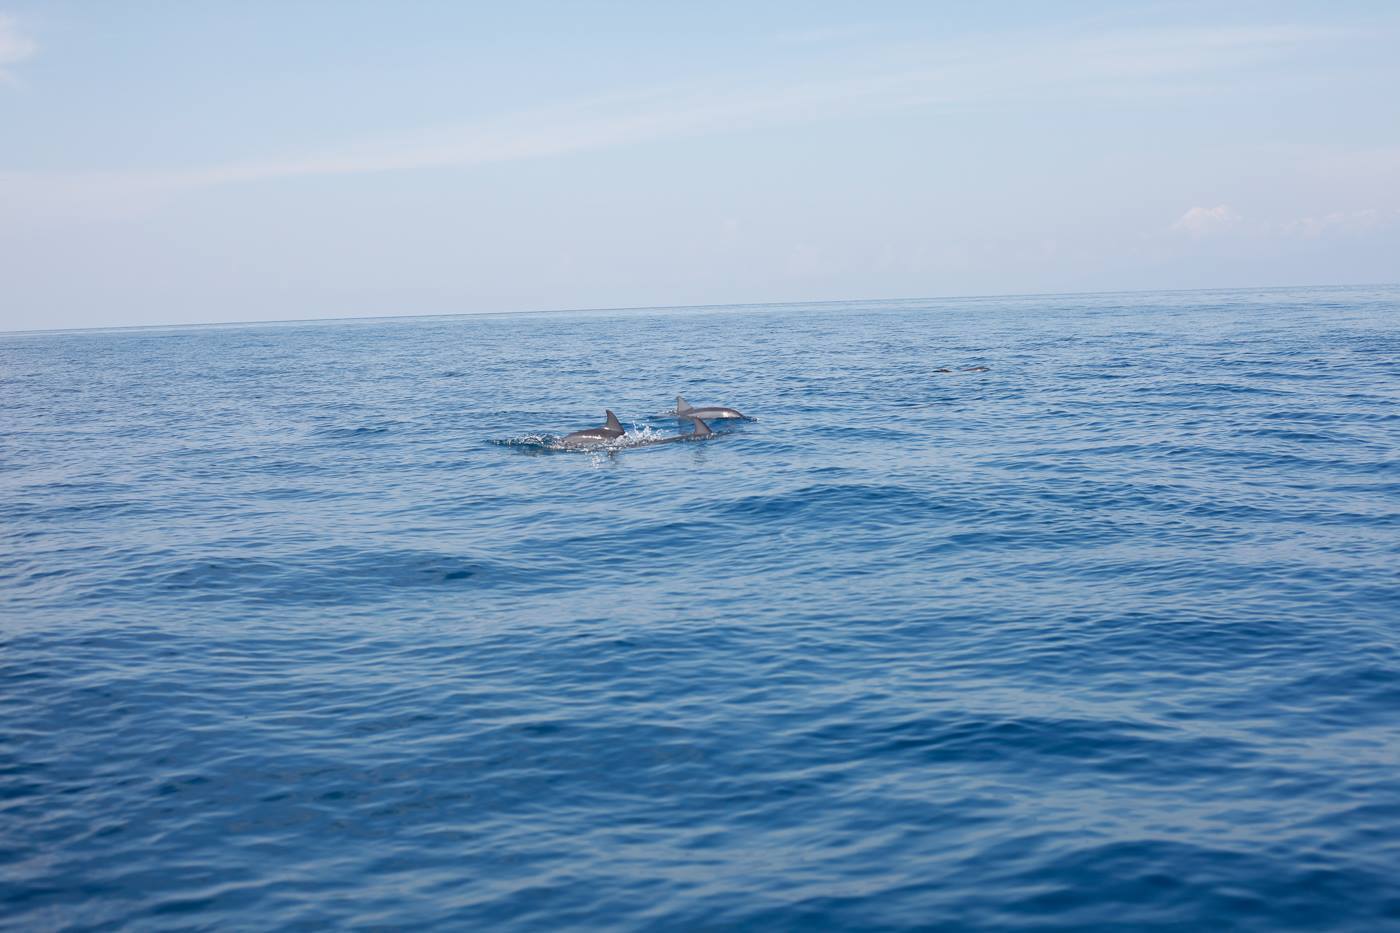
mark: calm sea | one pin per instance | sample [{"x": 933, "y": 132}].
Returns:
[{"x": 301, "y": 627}]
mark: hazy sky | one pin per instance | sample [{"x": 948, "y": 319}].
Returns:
[{"x": 202, "y": 161}]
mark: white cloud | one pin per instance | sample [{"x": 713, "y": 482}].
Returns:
[
  {"x": 1204, "y": 221},
  {"x": 15, "y": 47}
]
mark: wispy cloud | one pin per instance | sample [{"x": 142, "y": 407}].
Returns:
[
  {"x": 1201, "y": 222},
  {"x": 1334, "y": 223},
  {"x": 953, "y": 74},
  {"x": 822, "y": 34},
  {"x": 949, "y": 74},
  {"x": 15, "y": 46}
]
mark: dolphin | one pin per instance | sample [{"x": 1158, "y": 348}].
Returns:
[
  {"x": 702, "y": 432},
  {"x": 589, "y": 436},
  {"x": 713, "y": 412}
]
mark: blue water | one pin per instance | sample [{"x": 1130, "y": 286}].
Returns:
[{"x": 302, "y": 627}]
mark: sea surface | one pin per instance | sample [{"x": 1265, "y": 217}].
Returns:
[{"x": 306, "y": 626}]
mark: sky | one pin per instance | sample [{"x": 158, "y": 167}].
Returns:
[{"x": 201, "y": 162}]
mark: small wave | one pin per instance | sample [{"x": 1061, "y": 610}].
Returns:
[
  {"x": 335, "y": 575},
  {"x": 354, "y": 431},
  {"x": 530, "y": 441},
  {"x": 639, "y": 437},
  {"x": 644, "y": 436}
]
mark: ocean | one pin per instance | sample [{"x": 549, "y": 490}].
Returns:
[{"x": 307, "y": 625}]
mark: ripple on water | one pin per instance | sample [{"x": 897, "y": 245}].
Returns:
[{"x": 295, "y": 635}]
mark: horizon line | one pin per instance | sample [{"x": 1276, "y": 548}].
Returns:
[{"x": 684, "y": 307}]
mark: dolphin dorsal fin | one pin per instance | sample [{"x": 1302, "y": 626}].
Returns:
[
  {"x": 613, "y": 423},
  {"x": 701, "y": 428},
  {"x": 682, "y": 405}
]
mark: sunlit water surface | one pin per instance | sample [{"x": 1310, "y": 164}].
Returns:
[{"x": 304, "y": 626}]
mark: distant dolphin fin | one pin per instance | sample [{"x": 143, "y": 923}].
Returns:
[
  {"x": 613, "y": 423},
  {"x": 701, "y": 428},
  {"x": 682, "y": 405}
]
